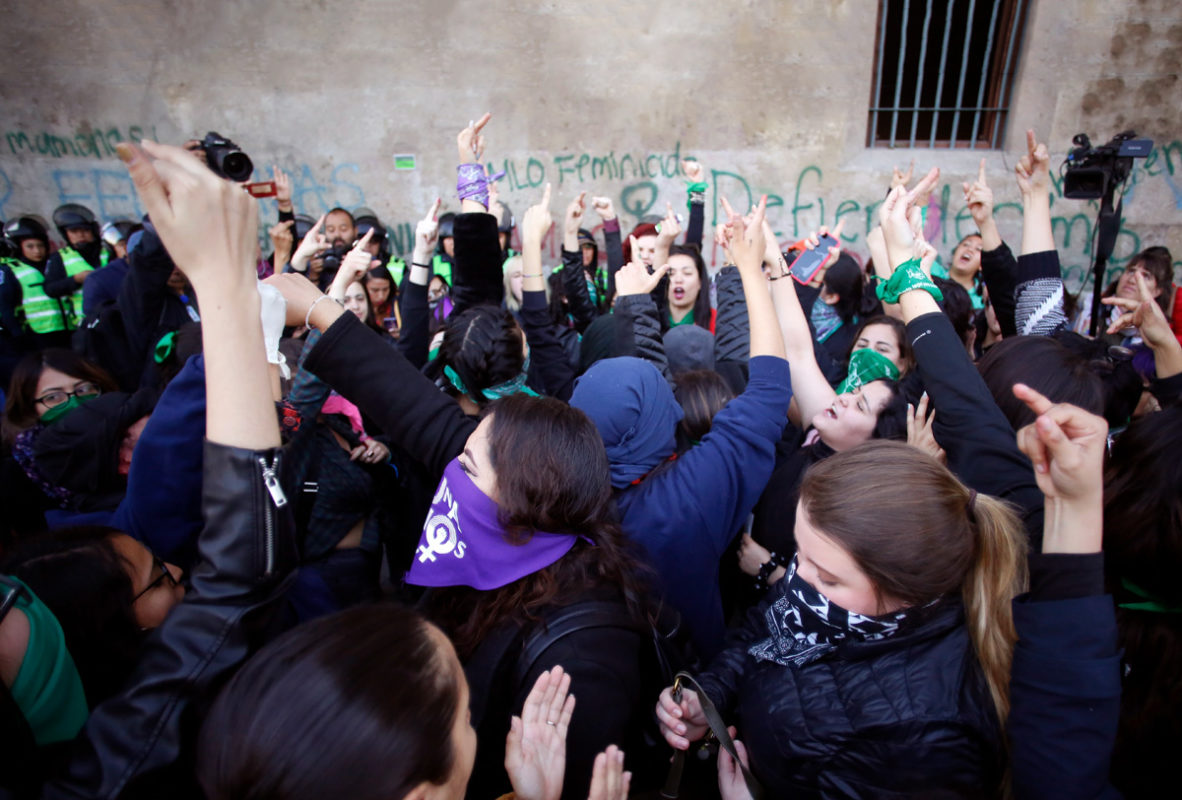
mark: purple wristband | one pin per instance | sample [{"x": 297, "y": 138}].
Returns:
[
  {"x": 471, "y": 184},
  {"x": 611, "y": 225}
]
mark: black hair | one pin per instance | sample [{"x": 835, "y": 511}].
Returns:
[
  {"x": 1143, "y": 547},
  {"x": 1045, "y": 365},
  {"x": 957, "y": 306},
  {"x": 702, "y": 303},
  {"x": 360, "y": 704},
  {"x": 701, "y": 393},
  {"x": 892, "y": 417},
  {"x": 845, "y": 280},
  {"x": 84, "y": 581},
  {"x": 483, "y": 346},
  {"x": 1120, "y": 385}
]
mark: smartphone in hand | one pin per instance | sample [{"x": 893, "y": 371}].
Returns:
[{"x": 808, "y": 263}]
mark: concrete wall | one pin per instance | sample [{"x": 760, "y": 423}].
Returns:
[{"x": 602, "y": 96}]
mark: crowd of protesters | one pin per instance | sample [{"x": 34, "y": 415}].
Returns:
[{"x": 334, "y": 521}]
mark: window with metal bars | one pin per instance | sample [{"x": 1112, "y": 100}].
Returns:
[{"x": 944, "y": 72}]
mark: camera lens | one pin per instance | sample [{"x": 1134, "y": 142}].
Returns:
[{"x": 236, "y": 166}]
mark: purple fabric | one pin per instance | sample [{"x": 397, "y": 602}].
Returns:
[
  {"x": 472, "y": 183},
  {"x": 464, "y": 544}
]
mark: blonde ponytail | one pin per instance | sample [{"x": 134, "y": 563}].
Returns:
[{"x": 997, "y": 575}]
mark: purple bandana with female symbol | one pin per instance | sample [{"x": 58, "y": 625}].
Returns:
[{"x": 464, "y": 544}]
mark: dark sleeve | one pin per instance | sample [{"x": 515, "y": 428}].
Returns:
[
  {"x": 1064, "y": 697},
  {"x": 639, "y": 331},
  {"x": 287, "y": 216},
  {"x": 142, "y": 295},
  {"x": 408, "y": 408},
  {"x": 732, "y": 332},
  {"x": 546, "y": 352},
  {"x": 162, "y": 507},
  {"x": 614, "y": 248},
  {"x": 980, "y": 444},
  {"x": 574, "y": 283},
  {"x": 476, "y": 272},
  {"x": 722, "y": 678},
  {"x": 1038, "y": 297},
  {"x": 719, "y": 481},
  {"x": 1168, "y": 391},
  {"x": 697, "y": 221},
  {"x": 57, "y": 282},
  {"x": 414, "y": 337},
  {"x": 1065, "y": 576},
  {"x": 308, "y": 392},
  {"x": 11, "y": 298},
  {"x": 999, "y": 270},
  {"x": 247, "y": 554}
]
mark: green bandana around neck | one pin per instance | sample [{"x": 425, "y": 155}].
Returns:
[
  {"x": 867, "y": 365},
  {"x": 512, "y": 386},
  {"x": 47, "y": 688}
]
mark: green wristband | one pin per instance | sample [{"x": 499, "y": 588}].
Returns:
[
  {"x": 696, "y": 186},
  {"x": 908, "y": 276}
]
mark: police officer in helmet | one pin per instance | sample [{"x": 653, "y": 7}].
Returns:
[
  {"x": 69, "y": 267},
  {"x": 30, "y": 318}
]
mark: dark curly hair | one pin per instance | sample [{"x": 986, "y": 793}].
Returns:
[{"x": 483, "y": 345}]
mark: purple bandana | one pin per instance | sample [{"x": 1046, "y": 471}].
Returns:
[{"x": 464, "y": 544}]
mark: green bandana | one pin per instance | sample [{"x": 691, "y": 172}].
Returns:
[
  {"x": 164, "y": 347},
  {"x": 688, "y": 319},
  {"x": 57, "y": 412},
  {"x": 47, "y": 688},
  {"x": 867, "y": 365},
  {"x": 908, "y": 276},
  {"x": 512, "y": 386}
]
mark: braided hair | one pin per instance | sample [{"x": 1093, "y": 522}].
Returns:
[{"x": 483, "y": 346}]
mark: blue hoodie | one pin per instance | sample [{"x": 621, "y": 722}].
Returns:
[{"x": 685, "y": 516}]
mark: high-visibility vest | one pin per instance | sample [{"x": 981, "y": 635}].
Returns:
[
  {"x": 42, "y": 313},
  {"x": 441, "y": 268},
  {"x": 74, "y": 263}
]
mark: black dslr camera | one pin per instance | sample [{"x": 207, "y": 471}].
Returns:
[
  {"x": 331, "y": 258},
  {"x": 225, "y": 158},
  {"x": 1089, "y": 172}
]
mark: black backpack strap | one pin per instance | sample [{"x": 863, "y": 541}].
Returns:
[{"x": 574, "y": 618}]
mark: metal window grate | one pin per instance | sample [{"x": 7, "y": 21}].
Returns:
[{"x": 944, "y": 72}]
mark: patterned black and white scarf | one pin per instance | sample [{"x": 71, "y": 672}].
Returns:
[{"x": 804, "y": 625}]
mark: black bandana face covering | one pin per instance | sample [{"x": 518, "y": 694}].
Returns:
[{"x": 804, "y": 625}]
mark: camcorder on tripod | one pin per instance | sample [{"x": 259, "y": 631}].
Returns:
[{"x": 1095, "y": 173}]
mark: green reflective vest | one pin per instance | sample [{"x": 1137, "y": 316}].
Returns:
[
  {"x": 441, "y": 268},
  {"x": 42, "y": 313},
  {"x": 74, "y": 263}
]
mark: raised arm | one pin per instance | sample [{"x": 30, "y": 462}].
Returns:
[
  {"x": 414, "y": 337},
  {"x": 695, "y": 188},
  {"x": 1038, "y": 295},
  {"x": 667, "y": 232},
  {"x": 612, "y": 243}
]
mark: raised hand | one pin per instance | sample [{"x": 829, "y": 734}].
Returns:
[
  {"x": 669, "y": 228},
  {"x": 535, "y": 749},
  {"x": 574, "y": 214},
  {"x": 1067, "y": 447},
  {"x": 314, "y": 241},
  {"x": 1144, "y": 314},
  {"x": 747, "y": 239},
  {"x": 209, "y": 225},
  {"x": 898, "y": 223},
  {"x": 426, "y": 236},
  {"x": 282, "y": 188},
  {"x": 354, "y": 265},
  {"x": 900, "y": 178},
  {"x": 634, "y": 277},
  {"x": 1034, "y": 169},
  {"x": 604, "y": 208},
  {"x": 281, "y": 241},
  {"x": 470, "y": 141},
  {"x": 609, "y": 780},
  {"x": 979, "y": 198},
  {"x": 537, "y": 220},
  {"x": 919, "y": 430},
  {"x": 694, "y": 172}
]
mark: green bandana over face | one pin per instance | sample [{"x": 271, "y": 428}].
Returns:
[
  {"x": 867, "y": 365},
  {"x": 47, "y": 688},
  {"x": 57, "y": 412}
]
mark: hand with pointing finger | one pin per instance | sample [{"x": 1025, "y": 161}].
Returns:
[
  {"x": 1034, "y": 168},
  {"x": 634, "y": 277},
  {"x": 470, "y": 141},
  {"x": 979, "y": 198}
]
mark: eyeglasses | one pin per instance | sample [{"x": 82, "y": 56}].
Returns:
[
  {"x": 165, "y": 575},
  {"x": 56, "y": 398}
]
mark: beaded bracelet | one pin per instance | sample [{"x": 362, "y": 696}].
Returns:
[{"x": 774, "y": 562}]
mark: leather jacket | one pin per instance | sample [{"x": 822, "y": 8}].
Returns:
[{"x": 246, "y": 559}]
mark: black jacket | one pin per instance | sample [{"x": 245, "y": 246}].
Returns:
[
  {"x": 246, "y": 555},
  {"x": 905, "y": 716}
]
